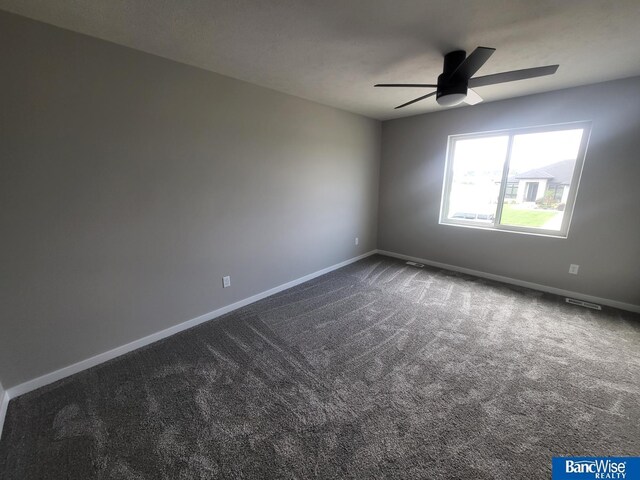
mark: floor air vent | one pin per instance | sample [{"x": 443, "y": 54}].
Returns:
[
  {"x": 573, "y": 301},
  {"x": 414, "y": 264}
]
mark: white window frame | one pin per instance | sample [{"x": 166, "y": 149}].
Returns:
[{"x": 512, "y": 132}]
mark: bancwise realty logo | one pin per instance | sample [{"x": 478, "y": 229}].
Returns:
[{"x": 591, "y": 468}]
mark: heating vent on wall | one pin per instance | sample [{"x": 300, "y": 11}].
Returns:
[
  {"x": 414, "y": 264},
  {"x": 582, "y": 303}
]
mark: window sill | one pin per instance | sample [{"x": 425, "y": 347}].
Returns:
[{"x": 492, "y": 228}]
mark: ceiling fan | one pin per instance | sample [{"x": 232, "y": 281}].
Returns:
[{"x": 455, "y": 83}]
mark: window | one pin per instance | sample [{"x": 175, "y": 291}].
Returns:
[
  {"x": 555, "y": 192},
  {"x": 512, "y": 190},
  {"x": 521, "y": 180}
]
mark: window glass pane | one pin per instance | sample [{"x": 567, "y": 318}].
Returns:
[
  {"x": 540, "y": 169},
  {"x": 476, "y": 174}
]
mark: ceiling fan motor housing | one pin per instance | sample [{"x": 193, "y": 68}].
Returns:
[{"x": 452, "y": 90}]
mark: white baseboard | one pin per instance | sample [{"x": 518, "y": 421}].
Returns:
[
  {"x": 521, "y": 283},
  {"x": 49, "y": 378},
  {"x": 4, "y": 403}
]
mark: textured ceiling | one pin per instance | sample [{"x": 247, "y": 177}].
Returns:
[{"x": 333, "y": 51}]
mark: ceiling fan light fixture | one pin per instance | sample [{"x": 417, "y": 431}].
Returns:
[
  {"x": 458, "y": 75},
  {"x": 451, "y": 99}
]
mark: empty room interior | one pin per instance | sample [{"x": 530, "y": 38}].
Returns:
[{"x": 339, "y": 239}]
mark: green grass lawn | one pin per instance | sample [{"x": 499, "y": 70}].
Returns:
[{"x": 511, "y": 215}]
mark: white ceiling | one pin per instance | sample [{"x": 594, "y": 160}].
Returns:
[{"x": 333, "y": 51}]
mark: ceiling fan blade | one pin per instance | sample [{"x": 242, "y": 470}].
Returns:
[
  {"x": 513, "y": 76},
  {"x": 416, "y": 100},
  {"x": 472, "y": 97},
  {"x": 429, "y": 85},
  {"x": 472, "y": 63}
]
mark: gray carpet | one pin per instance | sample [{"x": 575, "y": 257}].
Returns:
[{"x": 377, "y": 370}]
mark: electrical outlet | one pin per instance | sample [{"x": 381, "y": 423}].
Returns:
[
  {"x": 357, "y": 240},
  {"x": 226, "y": 282},
  {"x": 573, "y": 269}
]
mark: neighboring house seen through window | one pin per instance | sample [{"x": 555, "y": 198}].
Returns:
[{"x": 522, "y": 180}]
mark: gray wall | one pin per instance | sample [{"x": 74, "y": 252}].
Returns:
[
  {"x": 131, "y": 184},
  {"x": 604, "y": 238}
]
